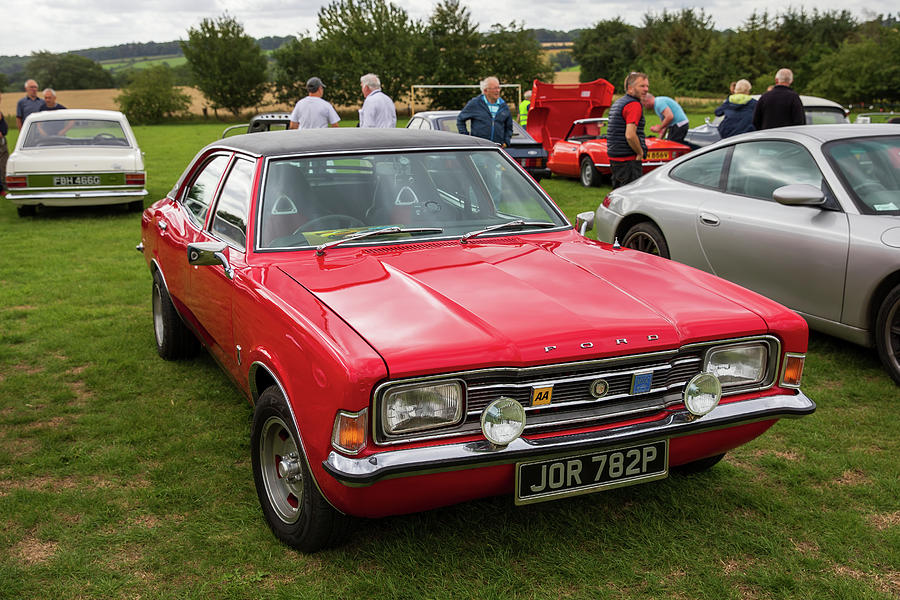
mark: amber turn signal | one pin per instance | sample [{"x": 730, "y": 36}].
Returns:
[
  {"x": 793, "y": 370},
  {"x": 349, "y": 433}
]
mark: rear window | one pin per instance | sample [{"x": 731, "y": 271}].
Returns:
[{"x": 75, "y": 132}]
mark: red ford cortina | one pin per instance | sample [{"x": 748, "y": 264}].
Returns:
[{"x": 416, "y": 324}]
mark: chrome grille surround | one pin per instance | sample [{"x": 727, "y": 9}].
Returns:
[{"x": 572, "y": 404}]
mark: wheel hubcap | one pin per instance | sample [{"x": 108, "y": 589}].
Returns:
[
  {"x": 282, "y": 470},
  {"x": 892, "y": 335},
  {"x": 642, "y": 242},
  {"x": 158, "y": 325}
]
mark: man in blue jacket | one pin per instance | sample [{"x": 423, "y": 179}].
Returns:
[{"x": 488, "y": 115}]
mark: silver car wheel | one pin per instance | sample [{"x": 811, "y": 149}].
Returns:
[
  {"x": 887, "y": 333},
  {"x": 159, "y": 326},
  {"x": 281, "y": 470}
]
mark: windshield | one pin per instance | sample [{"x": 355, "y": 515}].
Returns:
[
  {"x": 311, "y": 201},
  {"x": 870, "y": 170},
  {"x": 820, "y": 115},
  {"x": 75, "y": 132}
]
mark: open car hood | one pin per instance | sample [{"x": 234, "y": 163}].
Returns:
[{"x": 508, "y": 301}]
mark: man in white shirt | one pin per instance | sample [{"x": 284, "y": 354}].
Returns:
[
  {"x": 377, "y": 109},
  {"x": 313, "y": 112}
]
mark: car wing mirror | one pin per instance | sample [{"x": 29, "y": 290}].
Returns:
[
  {"x": 799, "y": 194},
  {"x": 584, "y": 222},
  {"x": 209, "y": 254}
]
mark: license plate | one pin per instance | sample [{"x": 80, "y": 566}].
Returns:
[
  {"x": 69, "y": 180},
  {"x": 574, "y": 475},
  {"x": 657, "y": 155}
]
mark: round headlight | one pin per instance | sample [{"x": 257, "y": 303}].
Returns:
[
  {"x": 503, "y": 421},
  {"x": 702, "y": 393}
]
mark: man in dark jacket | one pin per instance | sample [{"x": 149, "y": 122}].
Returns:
[
  {"x": 625, "y": 143},
  {"x": 488, "y": 115},
  {"x": 780, "y": 106},
  {"x": 738, "y": 110}
]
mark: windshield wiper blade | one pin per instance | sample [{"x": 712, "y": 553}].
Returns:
[
  {"x": 320, "y": 250},
  {"x": 507, "y": 225}
]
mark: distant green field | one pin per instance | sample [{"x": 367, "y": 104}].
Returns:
[{"x": 142, "y": 62}]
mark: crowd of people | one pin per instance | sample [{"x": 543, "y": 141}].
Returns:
[{"x": 489, "y": 116}]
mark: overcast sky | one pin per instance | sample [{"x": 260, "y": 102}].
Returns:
[{"x": 63, "y": 25}]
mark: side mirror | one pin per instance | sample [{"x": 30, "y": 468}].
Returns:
[
  {"x": 209, "y": 254},
  {"x": 799, "y": 194},
  {"x": 584, "y": 222}
]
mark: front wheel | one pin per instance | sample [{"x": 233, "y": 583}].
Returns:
[
  {"x": 292, "y": 505},
  {"x": 887, "y": 333},
  {"x": 589, "y": 175},
  {"x": 646, "y": 237}
]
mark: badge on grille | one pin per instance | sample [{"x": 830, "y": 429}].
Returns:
[
  {"x": 541, "y": 396},
  {"x": 599, "y": 388},
  {"x": 641, "y": 383}
]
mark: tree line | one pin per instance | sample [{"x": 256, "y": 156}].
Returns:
[{"x": 831, "y": 53}]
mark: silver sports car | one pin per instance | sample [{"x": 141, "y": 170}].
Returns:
[{"x": 809, "y": 216}]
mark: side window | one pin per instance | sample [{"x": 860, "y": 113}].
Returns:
[
  {"x": 759, "y": 168},
  {"x": 200, "y": 195},
  {"x": 230, "y": 219},
  {"x": 704, "y": 170}
]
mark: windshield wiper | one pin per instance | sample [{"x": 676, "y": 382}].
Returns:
[
  {"x": 320, "y": 250},
  {"x": 507, "y": 225}
]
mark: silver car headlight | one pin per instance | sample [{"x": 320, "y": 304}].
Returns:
[
  {"x": 738, "y": 365},
  {"x": 422, "y": 406}
]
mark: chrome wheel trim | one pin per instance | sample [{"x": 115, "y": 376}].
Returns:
[
  {"x": 159, "y": 326},
  {"x": 587, "y": 175},
  {"x": 285, "y": 494},
  {"x": 643, "y": 242}
]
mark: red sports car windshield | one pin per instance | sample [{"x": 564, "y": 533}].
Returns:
[{"x": 311, "y": 201}]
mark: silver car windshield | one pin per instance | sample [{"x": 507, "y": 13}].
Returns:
[
  {"x": 75, "y": 132},
  {"x": 870, "y": 170},
  {"x": 307, "y": 202}
]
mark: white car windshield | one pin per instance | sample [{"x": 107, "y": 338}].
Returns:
[
  {"x": 75, "y": 132},
  {"x": 311, "y": 201}
]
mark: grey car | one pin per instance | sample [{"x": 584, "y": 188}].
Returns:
[{"x": 808, "y": 216}]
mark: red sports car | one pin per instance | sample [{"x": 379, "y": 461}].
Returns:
[
  {"x": 417, "y": 324},
  {"x": 566, "y": 119}
]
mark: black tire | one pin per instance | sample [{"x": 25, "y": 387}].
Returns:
[
  {"x": 590, "y": 177},
  {"x": 292, "y": 505},
  {"x": 26, "y": 210},
  {"x": 173, "y": 339},
  {"x": 887, "y": 333},
  {"x": 698, "y": 466},
  {"x": 646, "y": 237}
]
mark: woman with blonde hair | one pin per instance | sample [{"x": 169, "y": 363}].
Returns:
[{"x": 738, "y": 110}]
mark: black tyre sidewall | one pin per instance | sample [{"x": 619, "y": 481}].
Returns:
[
  {"x": 890, "y": 304},
  {"x": 652, "y": 231},
  {"x": 594, "y": 177},
  {"x": 177, "y": 340}
]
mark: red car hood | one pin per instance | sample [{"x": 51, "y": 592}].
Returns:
[{"x": 516, "y": 301}]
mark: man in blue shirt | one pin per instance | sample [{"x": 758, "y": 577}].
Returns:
[
  {"x": 30, "y": 103},
  {"x": 671, "y": 115},
  {"x": 488, "y": 115}
]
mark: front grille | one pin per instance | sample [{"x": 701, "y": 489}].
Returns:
[{"x": 572, "y": 402}]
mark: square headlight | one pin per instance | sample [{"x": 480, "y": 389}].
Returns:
[
  {"x": 737, "y": 365},
  {"x": 422, "y": 406}
]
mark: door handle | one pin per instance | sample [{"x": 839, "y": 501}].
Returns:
[{"x": 709, "y": 219}]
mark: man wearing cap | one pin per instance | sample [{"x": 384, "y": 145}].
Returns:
[{"x": 313, "y": 112}]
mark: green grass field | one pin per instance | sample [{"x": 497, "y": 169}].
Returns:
[
  {"x": 126, "y": 476},
  {"x": 143, "y": 62}
]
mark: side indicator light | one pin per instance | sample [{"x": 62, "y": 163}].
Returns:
[{"x": 793, "y": 370}]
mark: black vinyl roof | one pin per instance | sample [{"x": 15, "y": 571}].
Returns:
[{"x": 345, "y": 139}]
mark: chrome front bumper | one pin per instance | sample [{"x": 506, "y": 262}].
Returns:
[{"x": 361, "y": 472}]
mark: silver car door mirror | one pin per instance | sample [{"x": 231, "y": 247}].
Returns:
[
  {"x": 584, "y": 222},
  {"x": 799, "y": 194},
  {"x": 210, "y": 253}
]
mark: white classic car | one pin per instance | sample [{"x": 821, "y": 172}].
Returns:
[{"x": 75, "y": 158}]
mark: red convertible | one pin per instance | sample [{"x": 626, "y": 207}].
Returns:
[
  {"x": 567, "y": 120},
  {"x": 416, "y": 324}
]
